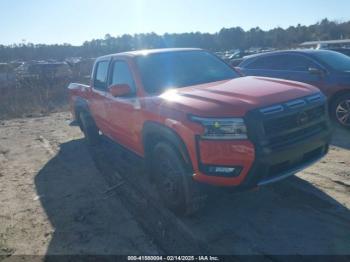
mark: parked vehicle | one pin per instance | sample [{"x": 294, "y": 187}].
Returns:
[
  {"x": 194, "y": 119},
  {"x": 235, "y": 62},
  {"x": 40, "y": 69},
  {"x": 236, "y": 58},
  {"x": 327, "y": 70},
  {"x": 345, "y": 51},
  {"x": 7, "y": 74},
  {"x": 339, "y": 45}
]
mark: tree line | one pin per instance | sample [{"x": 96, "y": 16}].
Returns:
[{"x": 225, "y": 39}]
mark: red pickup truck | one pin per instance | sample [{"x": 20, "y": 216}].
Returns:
[{"x": 195, "y": 119}]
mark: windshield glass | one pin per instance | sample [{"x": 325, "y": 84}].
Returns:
[
  {"x": 166, "y": 70},
  {"x": 335, "y": 60}
]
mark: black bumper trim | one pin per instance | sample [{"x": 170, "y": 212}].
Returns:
[
  {"x": 291, "y": 172},
  {"x": 260, "y": 172}
]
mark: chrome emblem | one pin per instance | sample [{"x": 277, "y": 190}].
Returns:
[{"x": 302, "y": 119}]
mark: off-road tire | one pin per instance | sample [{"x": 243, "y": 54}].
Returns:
[
  {"x": 89, "y": 128},
  {"x": 174, "y": 182}
]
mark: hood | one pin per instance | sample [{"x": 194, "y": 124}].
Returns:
[{"x": 233, "y": 97}]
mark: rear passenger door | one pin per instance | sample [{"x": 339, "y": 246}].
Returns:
[{"x": 97, "y": 101}]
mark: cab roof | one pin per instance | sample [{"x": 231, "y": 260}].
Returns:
[
  {"x": 295, "y": 51},
  {"x": 149, "y": 51}
]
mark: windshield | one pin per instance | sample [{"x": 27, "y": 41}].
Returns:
[
  {"x": 166, "y": 70},
  {"x": 335, "y": 60}
]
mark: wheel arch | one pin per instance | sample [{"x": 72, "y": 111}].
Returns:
[
  {"x": 154, "y": 132},
  {"x": 80, "y": 105},
  {"x": 334, "y": 100},
  {"x": 338, "y": 94}
]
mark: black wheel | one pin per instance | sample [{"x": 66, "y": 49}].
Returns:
[
  {"x": 89, "y": 128},
  {"x": 340, "y": 110},
  {"x": 174, "y": 182}
]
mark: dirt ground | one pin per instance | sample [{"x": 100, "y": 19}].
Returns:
[{"x": 59, "y": 197}]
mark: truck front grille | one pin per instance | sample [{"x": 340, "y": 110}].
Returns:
[
  {"x": 295, "y": 136},
  {"x": 288, "y": 123},
  {"x": 276, "y": 125}
]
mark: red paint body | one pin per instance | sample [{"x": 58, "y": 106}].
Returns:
[{"x": 123, "y": 119}]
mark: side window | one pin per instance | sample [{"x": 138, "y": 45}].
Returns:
[
  {"x": 267, "y": 63},
  {"x": 121, "y": 74},
  {"x": 298, "y": 63},
  {"x": 100, "y": 80},
  {"x": 282, "y": 62}
]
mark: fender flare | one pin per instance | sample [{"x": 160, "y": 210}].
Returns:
[
  {"x": 153, "y": 131},
  {"x": 80, "y": 105},
  {"x": 337, "y": 94}
]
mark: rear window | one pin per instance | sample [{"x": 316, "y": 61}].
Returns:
[{"x": 335, "y": 60}]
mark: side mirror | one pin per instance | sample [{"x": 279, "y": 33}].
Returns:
[
  {"x": 316, "y": 71},
  {"x": 120, "y": 90}
]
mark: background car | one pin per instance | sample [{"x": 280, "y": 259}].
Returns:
[
  {"x": 345, "y": 51},
  {"x": 236, "y": 58},
  {"x": 327, "y": 70}
]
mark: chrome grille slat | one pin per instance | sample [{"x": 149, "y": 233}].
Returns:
[
  {"x": 272, "y": 109},
  {"x": 296, "y": 103},
  {"x": 279, "y": 124},
  {"x": 292, "y": 121},
  {"x": 291, "y": 104},
  {"x": 314, "y": 98}
]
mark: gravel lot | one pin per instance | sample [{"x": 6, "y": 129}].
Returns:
[{"x": 57, "y": 197}]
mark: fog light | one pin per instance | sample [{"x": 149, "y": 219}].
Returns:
[{"x": 222, "y": 171}]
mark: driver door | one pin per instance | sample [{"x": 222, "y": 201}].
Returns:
[
  {"x": 297, "y": 68},
  {"x": 123, "y": 112}
]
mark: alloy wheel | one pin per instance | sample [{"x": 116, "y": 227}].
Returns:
[{"x": 343, "y": 112}]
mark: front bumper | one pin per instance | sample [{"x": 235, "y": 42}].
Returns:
[
  {"x": 225, "y": 154},
  {"x": 259, "y": 166},
  {"x": 278, "y": 145},
  {"x": 271, "y": 166}
]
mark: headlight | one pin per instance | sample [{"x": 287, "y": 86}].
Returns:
[{"x": 222, "y": 128}]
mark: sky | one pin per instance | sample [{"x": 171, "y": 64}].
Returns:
[{"x": 75, "y": 21}]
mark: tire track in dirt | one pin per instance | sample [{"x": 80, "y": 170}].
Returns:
[
  {"x": 61, "y": 210},
  {"x": 300, "y": 198},
  {"x": 291, "y": 217},
  {"x": 168, "y": 232},
  {"x": 52, "y": 150},
  {"x": 51, "y": 146}
]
